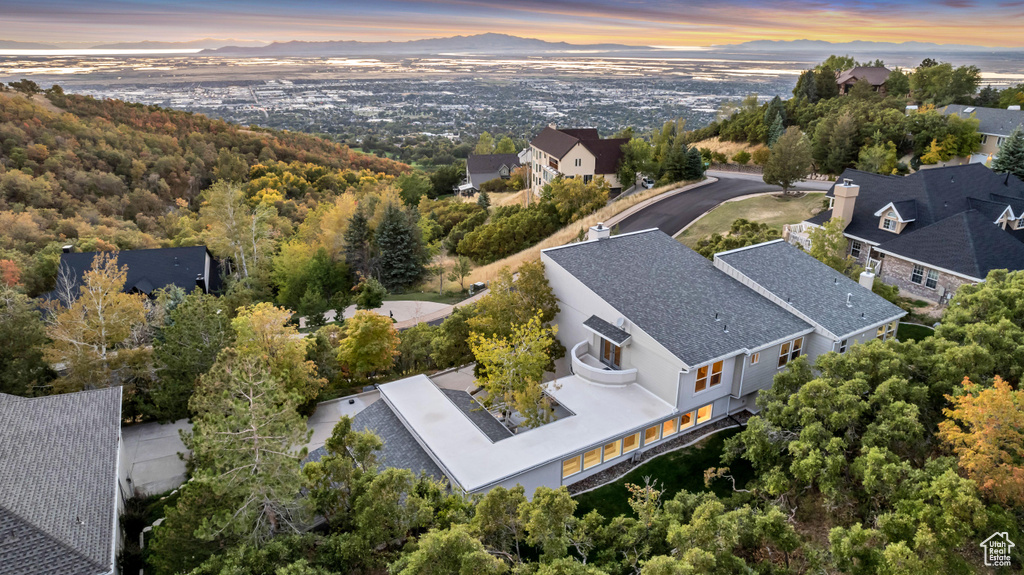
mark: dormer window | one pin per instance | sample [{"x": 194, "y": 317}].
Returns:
[{"x": 890, "y": 222}]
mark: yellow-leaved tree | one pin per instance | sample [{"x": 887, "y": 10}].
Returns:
[
  {"x": 513, "y": 367},
  {"x": 986, "y": 431},
  {"x": 97, "y": 332},
  {"x": 370, "y": 345}
]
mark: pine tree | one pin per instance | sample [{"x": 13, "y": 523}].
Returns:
[
  {"x": 483, "y": 200},
  {"x": 776, "y": 130},
  {"x": 694, "y": 166},
  {"x": 1011, "y": 155},
  {"x": 358, "y": 247},
  {"x": 401, "y": 255}
]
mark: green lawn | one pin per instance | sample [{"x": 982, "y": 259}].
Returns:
[
  {"x": 674, "y": 471},
  {"x": 447, "y": 297},
  {"x": 771, "y": 210},
  {"x": 908, "y": 331}
]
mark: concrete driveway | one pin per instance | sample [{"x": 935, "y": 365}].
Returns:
[{"x": 152, "y": 450}]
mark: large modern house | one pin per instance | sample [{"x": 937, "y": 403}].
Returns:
[
  {"x": 930, "y": 232},
  {"x": 189, "y": 268},
  {"x": 873, "y": 75},
  {"x": 661, "y": 341},
  {"x": 482, "y": 168},
  {"x": 994, "y": 125},
  {"x": 63, "y": 483},
  {"x": 574, "y": 153}
]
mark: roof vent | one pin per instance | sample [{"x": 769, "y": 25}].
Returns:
[
  {"x": 599, "y": 232},
  {"x": 68, "y": 248},
  {"x": 726, "y": 330},
  {"x": 861, "y": 315},
  {"x": 716, "y": 316},
  {"x": 1015, "y": 107},
  {"x": 835, "y": 281},
  {"x": 847, "y": 182},
  {"x": 849, "y": 300}
]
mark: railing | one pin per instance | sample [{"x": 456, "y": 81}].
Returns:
[
  {"x": 797, "y": 234},
  {"x": 589, "y": 368}
]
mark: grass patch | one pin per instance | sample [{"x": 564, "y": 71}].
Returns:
[
  {"x": 447, "y": 297},
  {"x": 674, "y": 471},
  {"x": 772, "y": 210},
  {"x": 909, "y": 331}
]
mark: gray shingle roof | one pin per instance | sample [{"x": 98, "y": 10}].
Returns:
[
  {"x": 400, "y": 449},
  {"x": 484, "y": 421},
  {"x": 875, "y": 75},
  {"x": 489, "y": 163},
  {"x": 967, "y": 243},
  {"x": 810, "y": 287},
  {"x": 607, "y": 330},
  {"x": 58, "y": 472},
  {"x": 672, "y": 294},
  {"x": 152, "y": 269},
  {"x": 992, "y": 121}
]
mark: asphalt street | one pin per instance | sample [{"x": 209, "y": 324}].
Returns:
[{"x": 673, "y": 214}]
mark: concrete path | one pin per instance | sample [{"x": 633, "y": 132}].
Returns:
[
  {"x": 152, "y": 450},
  {"x": 406, "y": 313}
]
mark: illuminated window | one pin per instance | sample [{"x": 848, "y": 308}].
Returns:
[
  {"x": 612, "y": 450},
  {"x": 890, "y": 330},
  {"x": 669, "y": 428},
  {"x": 686, "y": 421},
  {"x": 651, "y": 435},
  {"x": 591, "y": 458},
  {"x": 571, "y": 466},
  {"x": 755, "y": 358},
  {"x": 798, "y": 348},
  {"x": 630, "y": 443},
  {"x": 880, "y": 332},
  {"x": 708, "y": 376},
  {"x": 704, "y": 413},
  {"x": 611, "y": 354},
  {"x": 790, "y": 351}
]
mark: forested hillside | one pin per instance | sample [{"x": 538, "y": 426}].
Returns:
[{"x": 107, "y": 174}]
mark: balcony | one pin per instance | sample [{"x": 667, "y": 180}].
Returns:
[
  {"x": 588, "y": 367},
  {"x": 798, "y": 234}
]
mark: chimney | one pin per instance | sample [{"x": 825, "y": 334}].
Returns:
[
  {"x": 1015, "y": 107},
  {"x": 845, "y": 197},
  {"x": 553, "y": 126},
  {"x": 68, "y": 249},
  {"x": 867, "y": 279},
  {"x": 599, "y": 232}
]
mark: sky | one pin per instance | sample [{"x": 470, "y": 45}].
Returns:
[{"x": 636, "y": 22}]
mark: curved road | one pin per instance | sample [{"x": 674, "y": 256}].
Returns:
[{"x": 675, "y": 213}]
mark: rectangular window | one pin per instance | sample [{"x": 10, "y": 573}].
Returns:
[
  {"x": 571, "y": 467},
  {"x": 669, "y": 428},
  {"x": 613, "y": 450},
  {"x": 704, "y": 413},
  {"x": 755, "y": 358},
  {"x": 855, "y": 247},
  {"x": 890, "y": 331},
  {"x": 630, "y": 443},
  {"x": 917, "y": 275},
  {"x": 579, "y": 162},
  {"x": 686, "y": 421},
  {"x": 880, "y": 332},
  {"x": 784, "y": 355},
  {"x": 708, "y": 376},
  {"x": 611, "y": 354},
  {"x": 889, "y": 224},
  {"x": 790, "y": 351},
  {"x": 591, "y": 458},
  {"x": 843, "y": 346},
  {"x": 798, "y": 348},
  {"x": 651, "y": 435},
  {"x": 932, "y": 280},
  {"x": 587, "y": 178},
  {"x": 984, "y": 138}
]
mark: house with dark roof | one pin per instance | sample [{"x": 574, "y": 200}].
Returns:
[
  {"x": 930, "y": 232},
  {"x": 663, "y": 341},
  {"x": 482, "y": 168},
  {"x": 575, "y": 153},
  {"x": 63, "y": 473},
  {"x": 994, "y": 125},
  {"x": 190, "y": 268},
  {"x": 873, "y": 75}
]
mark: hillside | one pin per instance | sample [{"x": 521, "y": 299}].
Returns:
[{"x": 110, "y": 174}]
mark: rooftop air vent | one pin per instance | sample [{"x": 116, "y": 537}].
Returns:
[{"x": 849, "y": 300}]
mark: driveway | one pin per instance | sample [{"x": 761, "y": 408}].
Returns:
[
  {"x": 152, "y": 451},
  {"x": 674, "y": 213}
]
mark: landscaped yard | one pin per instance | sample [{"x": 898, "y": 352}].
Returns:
[
  {"x": 674, "y": 471},
  {"x": 772, "y": 210},
  {"x": 448, "y": 297},
  {"x": 909, "y": 331}
]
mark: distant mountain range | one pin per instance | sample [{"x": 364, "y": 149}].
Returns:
[{"x": 855, "y": 46}]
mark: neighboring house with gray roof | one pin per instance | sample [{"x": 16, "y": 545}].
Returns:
[
  {"x": 875, "y": 76},
  {"x": 930, "y": 232},
  {"x": 481, "y": 168},
  {"x": 994, "y": 125},
  {"x": 575, "y": 152},
  {"x": 662, "y": 341},
  {"x": 62, "y": 473}
]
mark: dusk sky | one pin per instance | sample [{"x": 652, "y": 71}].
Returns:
[{"x": 641, "y": 22}]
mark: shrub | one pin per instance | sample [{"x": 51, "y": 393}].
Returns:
[
  {"x": 761, "y": 155},
  {"x": 741, "y": 157}
]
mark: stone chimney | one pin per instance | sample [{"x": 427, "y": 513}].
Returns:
[
  {"x": 599, "y": 232},
  {"x": 845, "y": 197},
  {"x": 867, "y": 279}
]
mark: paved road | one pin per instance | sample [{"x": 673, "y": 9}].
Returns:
[{"x": 673, "y": 214}]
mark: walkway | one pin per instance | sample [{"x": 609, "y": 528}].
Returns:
[{"x": 406, "y": 313}]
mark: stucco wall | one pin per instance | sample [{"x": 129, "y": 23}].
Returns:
[{"x": 897, "y": 272}]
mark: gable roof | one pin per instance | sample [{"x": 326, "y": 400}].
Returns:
[
  {"x": 558, "y": 142},
  {"x": 875, "y": 75},
  {"x": 606, "y": 330},
  {"x": 490, "y": 163},
  {"x": 151, "y": 269},
  {"x": 991, "y": 121},
  {"x": 968, "y": 243},
  {"x": 554, "y": 142},
  {"x": 813, "y": 290},
  {"x": 607, "y": 153},
  {"x": 59, "y": 472},
  {"x": 673, "y": 294}
]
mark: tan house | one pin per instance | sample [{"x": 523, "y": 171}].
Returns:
[
  {"x": 930, "y": 232},
  {"x": 874, "y": 75},
  {"x": 574, "y": 153},
  {"x": 994, "y": 125}
]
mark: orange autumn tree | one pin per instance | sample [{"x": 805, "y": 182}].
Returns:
[{"x": 986, "y": 431}]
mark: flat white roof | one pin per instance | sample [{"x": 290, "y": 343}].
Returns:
[{"x": 469, "y": 457}]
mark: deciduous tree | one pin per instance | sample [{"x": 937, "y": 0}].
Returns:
[
  {"x": 263, "y": 331},
  {"x": 370, "y": 345},
  {"x": 790, "y": 160},
  {"x": 22, "y": 337}
]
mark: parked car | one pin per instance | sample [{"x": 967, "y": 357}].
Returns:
[{"x": 647, "y": 182}]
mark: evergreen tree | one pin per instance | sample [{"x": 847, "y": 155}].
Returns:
[
  {"x": 401, "y": 255},
  {"x": 775, "y": 130},
  {"x": 358, "y": 245},
  {"x": 313, "y": 305},
  {"x": 806, "y": 87},
  {"x": 694, "y": 167},
  {"x": 483, "y": 200},
  {"x": 22, "y": 368},
  {"x": 1011, "y": 155},
  {"x": 775, "y": 115}
]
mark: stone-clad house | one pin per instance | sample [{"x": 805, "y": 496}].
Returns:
[
  {"x": 930, "y": 232},
  {"x": 661, "y": 341}
]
